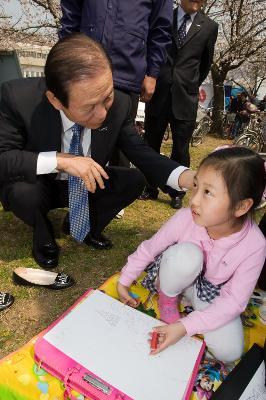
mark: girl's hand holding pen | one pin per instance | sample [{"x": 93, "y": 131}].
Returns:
[
  {"x": 168, "y": 335},
  {"x": 125, "y": 297}
]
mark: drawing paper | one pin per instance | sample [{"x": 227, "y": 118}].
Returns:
[{"x": 111, "y": 340}]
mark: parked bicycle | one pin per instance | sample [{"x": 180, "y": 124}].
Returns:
[
  {"x": 253, "y": 135},
  {"x": 228, "y": 119},
  {"x": 203, "y": 125}
]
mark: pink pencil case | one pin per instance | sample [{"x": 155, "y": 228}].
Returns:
[{"x": 71, "y": 373}]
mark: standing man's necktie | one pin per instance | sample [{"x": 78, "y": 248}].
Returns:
[
  {"x": 78, "y": 194},
  {"x": 182, "y": 32}
]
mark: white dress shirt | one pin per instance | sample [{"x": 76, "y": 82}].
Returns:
[
  {"x": 47, "y": 163},
  {"x": 180, "y": 17}
]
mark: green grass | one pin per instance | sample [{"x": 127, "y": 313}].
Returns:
[{"x": 35, "y": 307}]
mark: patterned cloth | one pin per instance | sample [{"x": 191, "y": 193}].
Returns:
[
  {"x": 152, "y": 272},
  {"x": 79, "y": 217},
  {"x": 182, "y": 33},
  {"x": 206, "y": 291}
]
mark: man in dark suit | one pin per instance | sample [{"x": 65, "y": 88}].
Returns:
[
  {"x": 56, "y": 138},
  {"x": 175, "y": 100}
]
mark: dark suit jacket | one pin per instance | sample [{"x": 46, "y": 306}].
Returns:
[
  {"x": 29, "y": 124},
  {"x": 186, "y": 68}
]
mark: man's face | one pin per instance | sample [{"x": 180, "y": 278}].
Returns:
[
  {"x": 192, "y": 6},
  {"x": 89, "y": 100}
]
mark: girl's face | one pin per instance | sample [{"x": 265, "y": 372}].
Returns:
[{"x": 210, "y": 203}]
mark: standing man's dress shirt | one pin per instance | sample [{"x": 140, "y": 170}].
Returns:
[{"x": 180, "y": 17}]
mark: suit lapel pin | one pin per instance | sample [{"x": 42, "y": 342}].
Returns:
[{"x": 103, "y": 129}]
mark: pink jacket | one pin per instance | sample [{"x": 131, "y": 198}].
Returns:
[{"x": 236, "y": 259}]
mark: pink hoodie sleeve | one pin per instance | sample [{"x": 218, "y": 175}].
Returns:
[{"x": 167, "y": 235}]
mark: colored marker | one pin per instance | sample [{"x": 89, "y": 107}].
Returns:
[{"x": 154, "y": 340}]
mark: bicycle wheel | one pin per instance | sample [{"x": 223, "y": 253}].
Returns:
[
  {"x": 205, "y": 125},
  {"x": 248, "y": 140},
  {"x": 197, "y": 137},
  {"x": 227, "y": 130}
]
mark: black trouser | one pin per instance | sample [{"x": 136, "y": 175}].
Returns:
[
  {"x": 155, "y": 127},
  {"x": 262, "y": 278},
  {"x": 31, "y": 202},
  {"x": 118, "y": 158}
]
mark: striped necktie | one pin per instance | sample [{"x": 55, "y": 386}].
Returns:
[
  {"x": 182, "y": 31},
  {"x": 79, "y": 217}
]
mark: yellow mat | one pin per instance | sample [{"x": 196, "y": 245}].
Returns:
[{"x": 22, "y": 379}]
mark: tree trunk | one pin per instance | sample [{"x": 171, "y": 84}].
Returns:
[{"x": 218, "y": 78}]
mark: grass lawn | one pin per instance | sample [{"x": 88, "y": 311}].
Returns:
[{"x": 35, "y": 307}]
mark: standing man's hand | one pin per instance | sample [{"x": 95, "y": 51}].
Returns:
[
  {"x": 83, "y": 167},
  {"x": 147, "y": 89}
]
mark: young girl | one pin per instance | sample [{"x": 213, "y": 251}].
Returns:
[{"x": 211, "y": 252}]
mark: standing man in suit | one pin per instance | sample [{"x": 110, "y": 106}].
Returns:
[
  {"x": 56, "y": 136},
  {"x": 175, "y": 100}
]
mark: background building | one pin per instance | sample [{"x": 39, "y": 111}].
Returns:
[
  {"x": 32, "y": 59},
  {"x": 22, "y": 59}
]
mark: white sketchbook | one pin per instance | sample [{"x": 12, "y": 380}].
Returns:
[{"x": 111, "y": 340}]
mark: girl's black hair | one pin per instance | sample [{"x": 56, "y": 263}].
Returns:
[{"x": 243, "y": 172}]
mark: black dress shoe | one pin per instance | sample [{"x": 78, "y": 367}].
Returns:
[
  {"x": 100, "y": 242},
  {"x": 97, "y": 241},
  {"x": 149, "y": 194},
  {"x": 176, "y": 202},
  {"x": 46, "y": 255},
  {"x": 6, "y": 300},
  {"x": 39, "y": 277}
]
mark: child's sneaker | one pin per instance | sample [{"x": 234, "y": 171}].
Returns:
[{"x": 168, "y": 308}]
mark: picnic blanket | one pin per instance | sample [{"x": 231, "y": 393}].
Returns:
[{"x": 22, "y": 379}]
